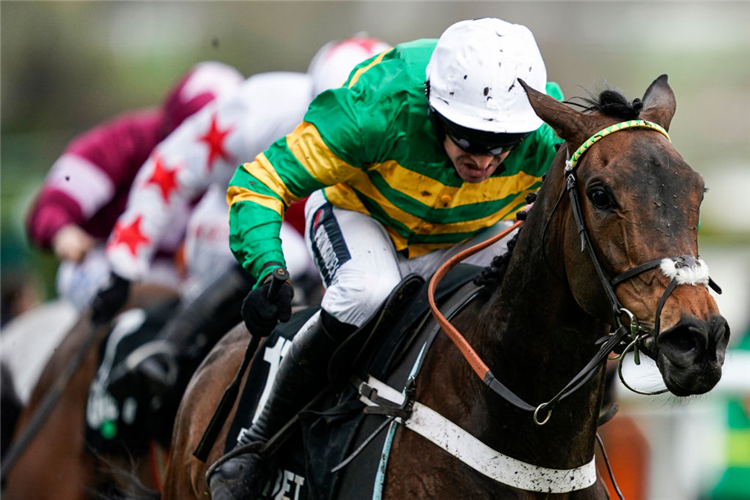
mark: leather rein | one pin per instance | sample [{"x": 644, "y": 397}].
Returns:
[{"x": 629, "y": 333}]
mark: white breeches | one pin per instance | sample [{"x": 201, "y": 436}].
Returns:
[{"x": 359, "y": 264}]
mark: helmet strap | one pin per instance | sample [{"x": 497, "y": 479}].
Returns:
[{"x": 437, "y": 125}]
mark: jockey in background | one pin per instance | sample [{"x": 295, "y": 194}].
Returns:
[
  {"x": 196, "y": 162},
  {"x": 87, "y": 187},
  {"x": 427, "y": 149}
]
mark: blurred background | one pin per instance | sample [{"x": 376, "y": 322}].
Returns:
[{"x": 67, "y": 66}]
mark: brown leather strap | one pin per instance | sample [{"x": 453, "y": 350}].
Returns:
[{"x": 468, "y": 352}]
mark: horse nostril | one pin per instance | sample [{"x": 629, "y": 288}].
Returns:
[
  {"x": 683, "y": 342},
  {"x": 686, "y": 338},
  {"x": 691, "y": 354}
]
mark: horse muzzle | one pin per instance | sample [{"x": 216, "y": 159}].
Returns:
[{"x": 690, "y": 354}]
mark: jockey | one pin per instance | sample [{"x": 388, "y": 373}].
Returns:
[
  {"x": 425, "y": 150},
  {"x": 87, "y": 187},
  {"x": 197, "y": 161}
]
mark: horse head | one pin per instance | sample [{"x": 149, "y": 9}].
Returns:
[{"x": 630, "y": 244}]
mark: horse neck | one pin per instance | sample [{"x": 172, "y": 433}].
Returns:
[
  {"x": 540, "y": 339},
  {"x": 535, "y": 311}
]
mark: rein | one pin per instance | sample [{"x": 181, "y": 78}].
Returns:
[
  {"x": 634, "y": 334},
  {"x": 479, "y": 366}
]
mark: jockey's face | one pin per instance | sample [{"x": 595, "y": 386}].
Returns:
[{"x": 472, "y": 168}]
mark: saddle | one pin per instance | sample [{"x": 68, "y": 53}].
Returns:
[{"x": 326, "y": 432}]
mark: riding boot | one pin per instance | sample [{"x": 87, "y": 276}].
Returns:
[
  {"x": 301, "y": 375},
  {"x": 161, "y": 369}
]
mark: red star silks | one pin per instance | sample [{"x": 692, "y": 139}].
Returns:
[
  {"x": 215, "y": 138},
  {"x": 164, "y": 179},
  {"x": 129, "y": 235}
]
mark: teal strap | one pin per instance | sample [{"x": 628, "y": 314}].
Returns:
[{"x": 377, "y": 492}]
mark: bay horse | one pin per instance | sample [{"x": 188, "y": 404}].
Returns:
[
  {"x": 55, "y": 464},
  {"x": 607, "y": 259}
]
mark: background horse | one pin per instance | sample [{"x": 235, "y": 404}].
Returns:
[
  {"x": 586, "y": 263},
  {"x": 26, "y": 344},
  {"x": 56, "y": 463}
]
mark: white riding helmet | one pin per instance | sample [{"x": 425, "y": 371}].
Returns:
[
  {"x": 472, "y": 76},
  {"x": 335, "y": 60},
  {"x": 204, "y": 82}
]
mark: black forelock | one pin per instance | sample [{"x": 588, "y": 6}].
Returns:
[{"x": 611, "y": 103}]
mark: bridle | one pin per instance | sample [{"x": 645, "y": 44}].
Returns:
[
  {"x": 629, "y": 333},
  {"x": 638, "y": 332}
]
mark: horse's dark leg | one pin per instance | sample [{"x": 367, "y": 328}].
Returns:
[{"x": 302, "y": 374}]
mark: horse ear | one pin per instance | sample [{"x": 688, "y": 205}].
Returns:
[
  {"x": 566, "y": 122},
  {"x": 659, "y": 102}
]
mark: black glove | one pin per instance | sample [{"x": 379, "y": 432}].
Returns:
[
  {"x": 261, "y": 312},
  {"x": 110, "y": 299}
]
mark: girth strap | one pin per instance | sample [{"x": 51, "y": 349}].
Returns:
[{"x": 477, "y": 455}]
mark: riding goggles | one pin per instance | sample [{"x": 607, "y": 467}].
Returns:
[{"x": 478, "y": 142}]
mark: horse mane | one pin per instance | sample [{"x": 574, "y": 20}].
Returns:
[
  {"x": 610, "y": 102},
  {"x": 125, "y": 485},
  {"x": 492, "y": 276}
]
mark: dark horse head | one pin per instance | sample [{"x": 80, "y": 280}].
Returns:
[{"x": 639, "y": 210}]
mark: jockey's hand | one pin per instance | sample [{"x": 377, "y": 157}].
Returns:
[
  {"x": 110, "y": 299},
  {"x": 261, "y": 312},
  {"x": 72, "y": 243}
]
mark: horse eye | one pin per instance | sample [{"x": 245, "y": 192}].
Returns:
[{"x": 600, "y": 198}]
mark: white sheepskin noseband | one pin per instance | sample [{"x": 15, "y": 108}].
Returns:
[{"x": 685, "y": 270}]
